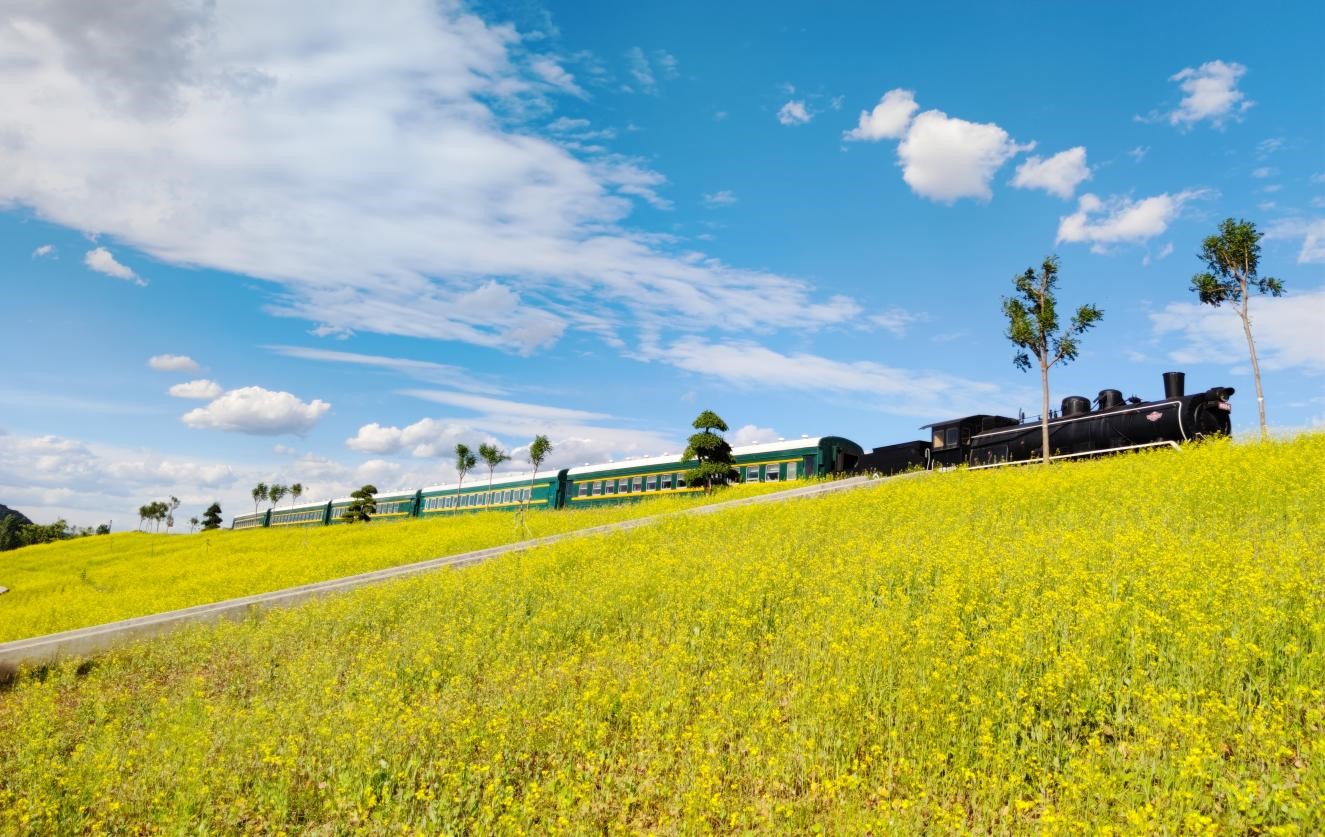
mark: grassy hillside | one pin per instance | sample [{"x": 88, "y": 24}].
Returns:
[
  {"x": 1136, "y": 643},
  {"x": 90, "y": 581}
]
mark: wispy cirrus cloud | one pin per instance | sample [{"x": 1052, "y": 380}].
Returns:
[{"x": 459, "y": 223}]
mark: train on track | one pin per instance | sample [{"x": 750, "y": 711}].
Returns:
[{"x": 1081, "y": 428}]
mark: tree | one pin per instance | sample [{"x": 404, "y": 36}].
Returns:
[
  {"x": 142, "y": 515},
  {"x": 296, "y": 491},
  {"x": 492, "y": 456},
  {"x": 711, "y": 450},
  {"x": 170, "y": 513},
  {"x": 464, "y": 461},
  {"x": 276, "y": 492},
  {"x": 103, "y": 529},
  {"x": 1232, "y": 259},
  {"x": 1033, "y": 326},
  {"x": 539, "y": 449},
  {"x": 193, "y": 524},
  {"x": 259, "y": 493},
  {"x": 363, "y": 507},
  {"x": 211, "y": 519},
  {"x": 10, "y": 531}
]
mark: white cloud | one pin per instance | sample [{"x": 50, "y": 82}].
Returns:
[
  {"x": 794, "y": 113},
  {"x": 413, "y": 184},
  {"x": 1211, "y": 93},
  {"x": 43, "y": 251},
  {"x": 1121, "y": 220},
  {"x": 173, "y": 363},
  {"x": 889, "y": 119},
  {"x": 556, "y": 75},
  {"x": 890, "y": 389},
  {"x": 1266, "y": 147},
  {"x": 897, "y": 320},
  {"x": 1164, "y": 253},
  {"x": 201, "y": 389},
  {"x": 1139, "y": 153},
  {"x": 498, "y": 406},
  {"x": 1286, "y": 328},
  {"x": 259, "y": 412},
  {"x": 638, "y": 66},
  {"x": 1058, "y": 175},
  {"x": 945, "y": 159},
  {"x": 424, "y": 370},
  {"x": 424, "y": 438},
  {"x": 723, "y": 198},
  {"x": 751, "y": 434},
  {"x": 1311, "y": 231},
  {"x": 283, "y": 450},
  {"x": 102, "y": 261},
  {"x": 1264, "y": 171}
]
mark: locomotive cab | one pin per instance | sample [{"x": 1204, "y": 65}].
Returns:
[{"x": 951, "y": 440}]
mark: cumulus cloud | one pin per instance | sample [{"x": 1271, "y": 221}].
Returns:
[
  {"x": 723, "y": 198},
  {"x": 794, "y": 113},
  {"x": 259, "y": 412},
  {"x": 424, "y": 438},
  {"x": 1120, "y": 220},
  {"x": 43, "y": 251},
  {"x": 201, "y": 389},
  {"x": 102, "y": 261},
  {"x": 889, "y": 119},
  {"x": 751, "y": 434},
  {"x": 1058, "y": 175},
  {"x": 1287, "y": 331},
  {"x": 419, "y": 219},
  {"x": 1211, "y": 94},
  {"x": 944, "y": 158},
  {"x": 173, "y": 363}
]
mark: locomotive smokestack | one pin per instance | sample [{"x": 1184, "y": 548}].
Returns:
[{"x": 1174, "y": 384}]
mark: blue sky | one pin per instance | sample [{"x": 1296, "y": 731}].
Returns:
[{"x": 324, "y": 244}]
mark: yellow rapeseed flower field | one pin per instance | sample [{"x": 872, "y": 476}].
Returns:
[
  {"x": 1130, "y": 645},
  {"x": 90, "y": 581}
]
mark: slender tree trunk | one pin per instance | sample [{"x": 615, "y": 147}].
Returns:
[
  {"x": 1255, "y": 365},
  {"x": 1044, "y": 409}
]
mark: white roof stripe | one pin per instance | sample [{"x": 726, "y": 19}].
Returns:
[{"x": 481, "y": 483}]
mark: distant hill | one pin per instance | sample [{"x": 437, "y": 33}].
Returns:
[{"x": 6, "y": 511}]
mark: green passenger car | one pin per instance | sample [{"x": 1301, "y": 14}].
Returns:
[
  {"x": 633, "y": 479},
  {"x": 503, "y": 493},
  {"x": 393, "y": 506},
  {"x": 250, "y": 521},
  {"x": 306, "y": 514}
]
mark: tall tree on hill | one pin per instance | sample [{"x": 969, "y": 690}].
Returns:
[
  {"x": 296, "y": 491},
  {"x": 259, "y": 493},
  {"x": 711, "y": 450},
  {"x": 276, "y": 492},
  {"x": 193, "y": 524},
  {"x": 363, "y": 505},
  {"x": 1232, "y": 259},
  {"x": 464, "y": 462},
  {"x": 492, "y": 456},
  {"x": 170, "y": 513},
  {"x": 211, "y": 519},
  {"x": 539, "y": 449},
  {"x": 1033, "y": 327}
]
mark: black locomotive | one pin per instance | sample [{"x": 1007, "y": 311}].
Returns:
[{"x": 1115, "y": 424}]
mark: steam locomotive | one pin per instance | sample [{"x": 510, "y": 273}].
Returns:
[{"x": 1115, "y": 424}]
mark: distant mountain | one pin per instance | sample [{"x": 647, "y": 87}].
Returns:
[{"x": 6, "y": 511}]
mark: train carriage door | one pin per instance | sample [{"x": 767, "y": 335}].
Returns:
[{"x": 811, "y": 464}]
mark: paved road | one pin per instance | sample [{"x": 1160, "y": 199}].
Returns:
[{"x": 84, "y": 641}]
